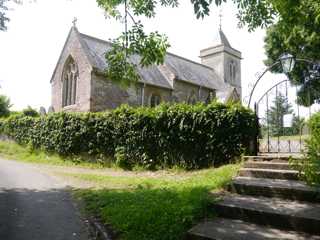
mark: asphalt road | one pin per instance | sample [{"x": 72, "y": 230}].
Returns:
[{"x": 35, "y": 206}]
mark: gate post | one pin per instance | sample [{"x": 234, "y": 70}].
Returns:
[{"x": 256, "y": 140}]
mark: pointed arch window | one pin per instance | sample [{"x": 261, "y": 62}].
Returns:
[
  {"x": 232, "y": 71},
  {"x": 192, "y": 99},
  {"x": 70, "y": 77},
  {"x": 155, "y": 100}
]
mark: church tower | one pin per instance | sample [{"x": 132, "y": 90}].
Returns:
[{"x": 225, "y": 60}]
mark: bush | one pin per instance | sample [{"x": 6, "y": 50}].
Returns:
[
  {"x": 29, "y": 111},
  {"x": 4, "y": 106},
  {"x": 195, "y": 136},
  {"x": 310, "y": 165}
]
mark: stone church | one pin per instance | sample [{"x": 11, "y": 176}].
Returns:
[{"x": 78, "y": 83}]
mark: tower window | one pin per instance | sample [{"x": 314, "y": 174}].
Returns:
[
  {"x": 232, "y": 72},
  {"x": 70, "y": 77}
]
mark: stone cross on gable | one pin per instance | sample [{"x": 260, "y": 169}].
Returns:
[
  {"x": 220, "y": 16},
  {"x": 74, "y": 22}
]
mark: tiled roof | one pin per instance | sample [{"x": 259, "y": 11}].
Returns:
[{"x": 182, "y": 69}]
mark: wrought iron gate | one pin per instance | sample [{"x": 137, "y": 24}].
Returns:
[{"x": 282, "y": 129}]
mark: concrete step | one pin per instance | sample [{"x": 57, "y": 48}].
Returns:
[
  {"x": 287, "y": 189},
  {"x": 272, "y": 157},
  {"x": 231, "y": 229},
  {"x": 268, "y": 165},
  {"x": 269, "y": 173},
  {"x": 274, "y": 212}
]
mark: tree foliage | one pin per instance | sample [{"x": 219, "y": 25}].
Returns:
[
  {"x": 132, "y": 50},
  {"x": 29, "y": 111},
  {"x": 3, "y": 17},
  {"x": 5, "y": 106},
  {"x": 3, "y": 13},
  {"x": 309, "y": 166},
  {"x": 298, "y": 32},
  {"x": 275, "y": 119},
  {"x": 151, "y": 48},
  {"x": 276, "y": 113}
]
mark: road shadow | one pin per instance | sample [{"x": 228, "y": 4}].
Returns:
[{"x": 39, "y": 215}]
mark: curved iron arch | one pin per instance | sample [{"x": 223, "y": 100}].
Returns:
[{"x": 268, "y": 69}]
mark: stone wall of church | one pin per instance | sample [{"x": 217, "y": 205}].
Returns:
[
  {"x": 183, "y": 91},
  {"x": 228, "y": 59},
  {"x": 106, "y": 95},
  {"x": 72, "y": 48},
  {"x": 216, "y": 62},
  {"x": 204, "y": 94},
  {"x": 163, "y": 93}
]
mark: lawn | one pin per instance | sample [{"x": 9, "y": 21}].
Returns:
[
  {"x": 139, "y": 205},
  {"x": 146, "y": 208}
]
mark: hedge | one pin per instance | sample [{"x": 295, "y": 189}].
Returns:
[
  {"x": 310, "y": 165},
  {"x": 190, "y": 136}
]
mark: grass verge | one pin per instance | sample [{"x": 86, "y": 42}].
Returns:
[
  {"x": 139, "y": 205},
  {"x": 14, "y": 151},
  {"x": 142, "y": 208}
]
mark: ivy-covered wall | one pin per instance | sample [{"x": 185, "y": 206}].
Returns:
[{"x": 190, "y": 136}]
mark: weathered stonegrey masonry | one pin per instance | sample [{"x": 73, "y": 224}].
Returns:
[{"x": 78, "y": 83}]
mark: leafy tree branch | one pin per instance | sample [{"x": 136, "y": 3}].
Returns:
[
  {"x": 298, "y": 32},
  {"x": 3, "y": 13}
]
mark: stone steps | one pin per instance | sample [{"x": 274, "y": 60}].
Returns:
[
  {"x": 269, "y": 173},
  {"x": 272, "y": 158},
  {"x": 275, "y": 212},
  {"x": 286, "y": 189},
  {"x": 266, "y": 201},
  {"x": 267, "y": 165},
  {"x": 232, "y": 229}
]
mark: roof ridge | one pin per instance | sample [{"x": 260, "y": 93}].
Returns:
[
  {"x": 189, "y": 60},
  {"x": 169, "y": 53},
  {"x": 95, "y": 38}
]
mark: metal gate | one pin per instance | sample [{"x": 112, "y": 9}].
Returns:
[{"x": 282, "y": 128}]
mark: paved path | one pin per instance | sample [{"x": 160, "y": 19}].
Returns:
[{"x": 35, "y": 206}]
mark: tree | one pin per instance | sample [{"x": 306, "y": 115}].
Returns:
[
  {"x": 5, "y": 106},
  {"x": 3, "y": 18},
  {"x": 275, "y": 115},
  {"x": 151, "y": 48},
  {"x": 297, "y": 124},
  {"x": 29, "y": 111},
  {"x": 298, "y": 32},
  {"x": 3, "y": 10},
  {"x": 134, "y": 47}
]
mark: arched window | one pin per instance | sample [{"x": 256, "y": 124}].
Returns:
[
  {"x": 211, "y": 96},
  {"x": 192, "y": 99},
  {"x": 155, "y": 100},
  {"x": 232, "y": 71},
  {"x": 70, "y": 77}
]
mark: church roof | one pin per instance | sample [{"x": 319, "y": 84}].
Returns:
[
  {"x": 181, "y": 68},
  {"x": 221, "y": 39}
]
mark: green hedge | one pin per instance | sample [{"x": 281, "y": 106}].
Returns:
[
  {"x": 169, "y": 135},
  {"x": 310, "y": 166}
]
